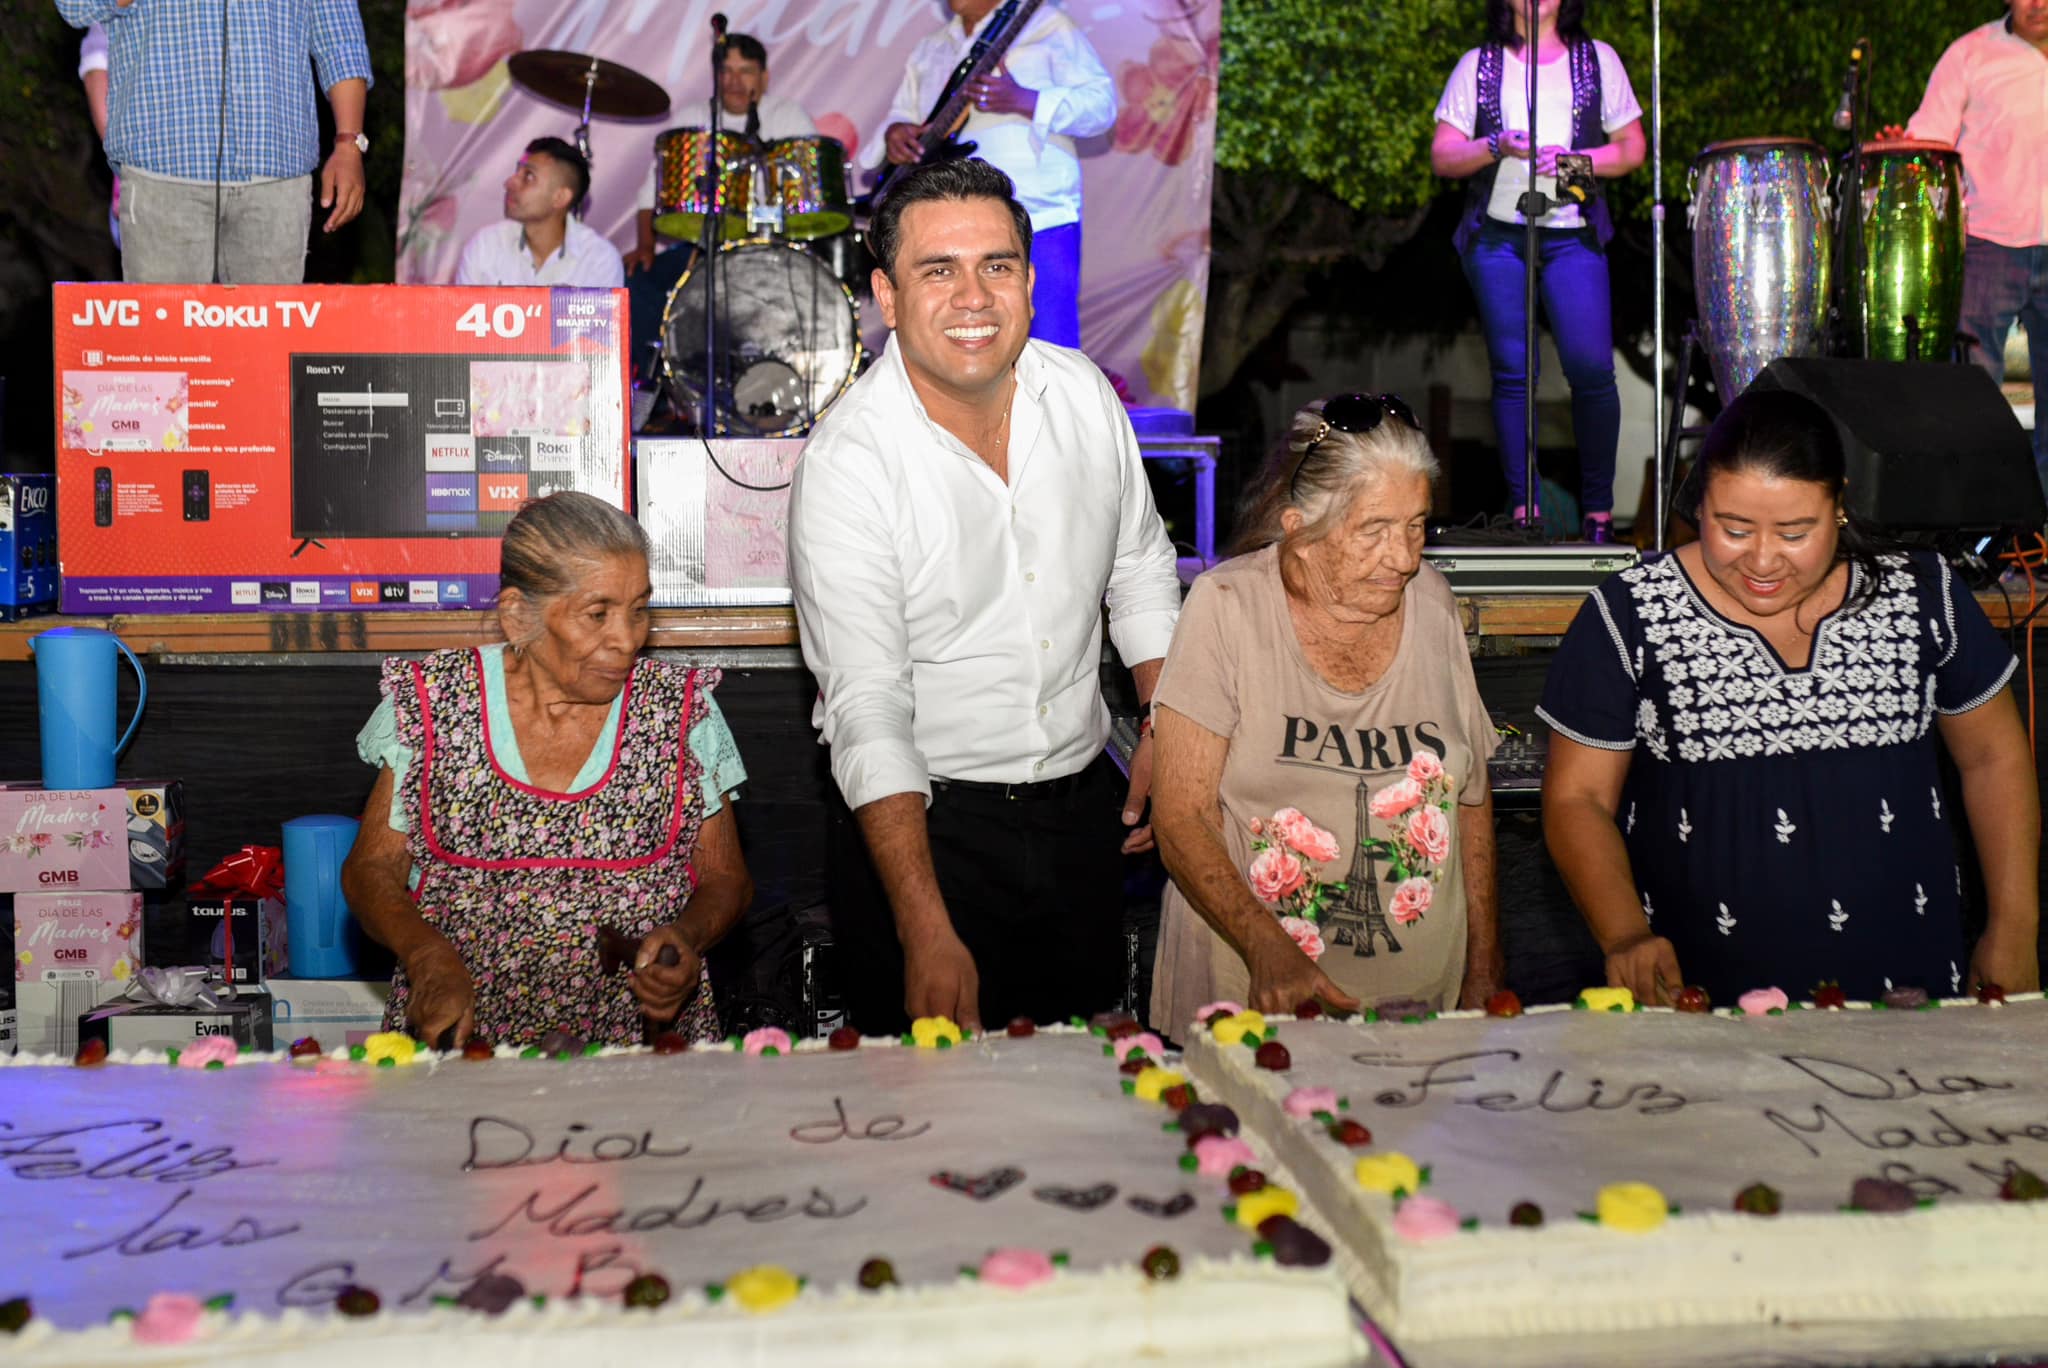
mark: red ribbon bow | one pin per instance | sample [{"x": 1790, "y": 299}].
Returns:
[{"x": 252, "y": 872}]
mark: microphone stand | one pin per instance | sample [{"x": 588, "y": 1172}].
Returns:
[
  {"x": 1533, "y": 205},
  {"x": 711, "y": 191}
]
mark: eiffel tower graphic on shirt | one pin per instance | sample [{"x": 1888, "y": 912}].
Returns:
[{"x": 1357, "y": 919}]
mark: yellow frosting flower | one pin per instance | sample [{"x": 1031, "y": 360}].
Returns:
[
  {"x": 1231, "y": 1030},
  {"x": 1255, "y": 1207},
  {"x": 1633, "y": 1207},
  {"x": 396, "y": 1046},
  {"x": 1154, "y": 1080},
  {"x": 1388, "y": 1172},
  {"x": 1607, "y": 999},
  {"x": 764, "y": 1288},
  {"x": 929, "y": 1031}
]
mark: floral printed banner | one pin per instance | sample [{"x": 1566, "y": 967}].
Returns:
[{"x": 1146, "y": 253}]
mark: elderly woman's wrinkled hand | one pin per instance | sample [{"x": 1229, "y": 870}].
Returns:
[
  {"x": 441, "y": 996},
  {"x": 1283, "y": 978},
  {"x": 664, "y": 988}
]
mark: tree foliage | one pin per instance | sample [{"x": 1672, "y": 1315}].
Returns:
[{"x": 1325, "y": 113}]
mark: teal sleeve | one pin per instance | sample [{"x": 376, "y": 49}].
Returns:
[
  {"x": 377, "y": 743},
  {"x": 711, "y": 742}
]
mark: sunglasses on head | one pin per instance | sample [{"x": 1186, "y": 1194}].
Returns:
[{"x": 1356, "y": 414}]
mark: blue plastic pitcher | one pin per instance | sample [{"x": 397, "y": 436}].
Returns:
[
  {"x": 320, "y": 932},
  {"x": 76, "y": 675}
]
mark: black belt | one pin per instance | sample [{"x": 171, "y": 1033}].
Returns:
[{"x": 1015, "y": 793}]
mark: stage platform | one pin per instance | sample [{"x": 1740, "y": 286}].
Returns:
[{"x": 1496, "y": 622}]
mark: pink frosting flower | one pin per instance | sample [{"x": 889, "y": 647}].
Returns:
[
  {"x": 1276, "y": 874},
  {"x": 1430, "y": 830},
  {"x": 1412, "y": 898},
  {"x": 1258, "y": 826},
  {"x": 764, "y": 1038},
  {"x": 1758, "y": 1001},
  {"x": 1299, "y": 832},
  {"x": 208, "y": 1050},
  {"x": 1305, "y": 935},
  {"x": 1016, "y": 1268},
  {"x": 169, "y": 1318},
  {"x": 1395, "y": 799},
  {"x": 1425, "y": 767},
  {"x": 1425, "y": 1218},
  {"x": 1222, "y": 1005},
  {"x": 1309, "y": 1101},
  {"x": 1217, "y": 1155},
  {"x": 1152, "y": 1045}
]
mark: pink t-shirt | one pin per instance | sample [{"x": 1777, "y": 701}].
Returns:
[{"x": 1380, "y": 775}]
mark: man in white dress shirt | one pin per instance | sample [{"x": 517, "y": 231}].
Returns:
[
  {"x": 747, "y": 109},
  {"x": 1049, "y": 89},
  {"x": 1989, "y": 96},
  {"x": 541, "y": 241},
  {"x": 958, "y": 519}
]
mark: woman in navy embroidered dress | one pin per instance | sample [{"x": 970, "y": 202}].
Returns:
[
  {"x": 533, "y": 792},
  {"x": 1744, "y": 788}
]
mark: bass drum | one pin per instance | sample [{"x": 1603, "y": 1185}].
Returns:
[{"x": 789, "y": 339}]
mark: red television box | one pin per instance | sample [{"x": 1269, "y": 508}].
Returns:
[{"x": 267, "y": 448}]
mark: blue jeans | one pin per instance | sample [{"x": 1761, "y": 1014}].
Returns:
[
  {"x": 1999, "y": 285},
  {"x": 647, "y": 295},
  {"x": 1056, "y": 300},
  {"x": 1573, "y": 287}
]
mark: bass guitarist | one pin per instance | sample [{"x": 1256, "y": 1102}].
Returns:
[{"x": 1043, "y": 88}]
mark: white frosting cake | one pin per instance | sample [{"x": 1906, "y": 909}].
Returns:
[
  {"x": 1556, "y": 1105},
  {"x": 280, "y": 1183}
]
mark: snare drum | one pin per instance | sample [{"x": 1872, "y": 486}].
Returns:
[
  {"x": 790, "y": 343},
  {"x": 807, "y": 178},
  {"x": 679, "y": 205},
  {"x": 1912, "y": 248},
  {"x": 1762, "y": 247}
]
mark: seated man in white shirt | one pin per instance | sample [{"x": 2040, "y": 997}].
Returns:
[
  {"x": 746, "y": 109},
  {"x": 958, "y": 519},
  {"x": 541, "y": 241}
]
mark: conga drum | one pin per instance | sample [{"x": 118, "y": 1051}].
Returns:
[
  {"x": 1912, "y": 248},
  {"x": 1762, "y": 230},
  {"x": 679, "y": 201}
]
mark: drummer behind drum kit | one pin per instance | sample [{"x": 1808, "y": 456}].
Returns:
[
  {"x": 1764, "y": 222},
  {"x": 788, "y": 263}
]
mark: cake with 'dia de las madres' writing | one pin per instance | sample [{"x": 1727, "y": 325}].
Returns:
[
  {"x": 1002, "y": 1199},
  {"x": 1776, "y": 1182}
]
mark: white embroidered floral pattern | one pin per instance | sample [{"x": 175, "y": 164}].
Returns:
[{"x": 1837, "y": 919}]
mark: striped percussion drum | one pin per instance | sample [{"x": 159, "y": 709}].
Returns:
[
  {"x": 1912, "y": 249},
  {"x": 1762, "y": 225},
  {"x": 679, "y": 203}
]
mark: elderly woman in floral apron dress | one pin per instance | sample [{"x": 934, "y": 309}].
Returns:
[{"x": 533, "y": 792}]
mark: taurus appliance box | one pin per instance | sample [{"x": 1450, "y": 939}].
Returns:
[
  {"x": 28, "y": 545},
  {"x": 321, "y": 448}
]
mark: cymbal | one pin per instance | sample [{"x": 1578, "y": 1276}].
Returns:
[{"x": 618, "y": 92}]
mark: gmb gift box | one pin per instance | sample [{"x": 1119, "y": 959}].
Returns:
[
  {"x": 63, "y": 839},
  {"x": 76, "y": 937},
  {"x": 154, "y": 839},
  {"x": 28, "y": 545},
  {"x": 324, "y": 448}
]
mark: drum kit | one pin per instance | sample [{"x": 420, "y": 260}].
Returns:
[
  {"x": 789, "y": 259},
  {"x": 1767, "y": 259}
]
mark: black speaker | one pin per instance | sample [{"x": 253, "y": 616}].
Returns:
[{"x": 1931, "y": 447}]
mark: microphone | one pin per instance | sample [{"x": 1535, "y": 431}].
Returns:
[
  {"x": 718, "y": 36},
  {"x": 753, "y": 121},
  {"x": 1845, "y": 112}
]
